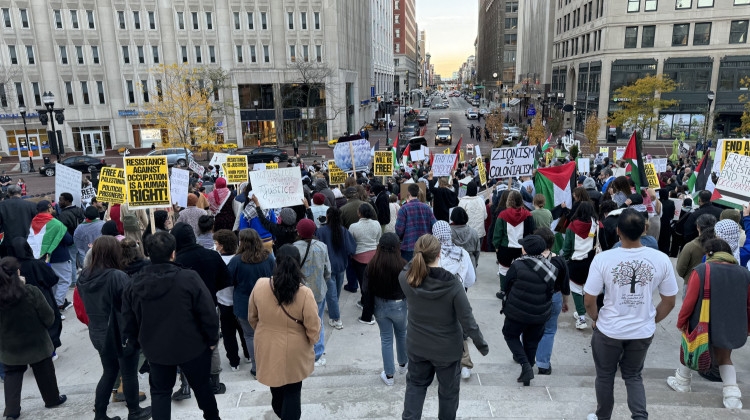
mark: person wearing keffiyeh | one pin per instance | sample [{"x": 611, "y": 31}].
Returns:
[{"x": 217, "y": 201}]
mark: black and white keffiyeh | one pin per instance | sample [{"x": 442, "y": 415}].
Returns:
[{"x": 543, "y": 264}]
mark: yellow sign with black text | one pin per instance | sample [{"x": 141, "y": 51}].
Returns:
[
  {"x": 272, "y": 165},
  {"x": 147, "y": 179},
  {"x": 335, "y": 174},
  {"x": 111, "y": 186},
  {"x": 482, "y": 171},
  {"x": 235, "y": 169},
  {"x": 653, "y": 179},
  {"x": 741, "y": 147},
  {"x": 383, "y": 163}
]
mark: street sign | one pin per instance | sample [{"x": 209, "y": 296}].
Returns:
[{"x": 531, "y": 112}]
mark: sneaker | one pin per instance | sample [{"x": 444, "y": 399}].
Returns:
[
  {"x": 336, "y": 324},
  {"x": 65, "y": 306},
  {"x": 403, "y": 369},
  {"x": 465, "y": 373},
  {"x": 54, "y": 356},
  {"x": 388, "y": 381},
  {"x": 320, "y": 362},
  {"x": 678, "y": 382},
  {"x": 370, "y": 322},
  {"x": 235, "y": 368},
  {"x": 575, "y": 316},
  {"x": 62, "y": 317},
  {"x": 500, "y": 295},
  {"x": 732, "y": 397},
  {"x": 248, "y": 360},
  {"x": 359, "y": 305},
  {"x": 581, "y": 324},
  {"x": 592, "y": 416}
]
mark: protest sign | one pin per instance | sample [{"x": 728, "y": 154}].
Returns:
[
  {"x": 462, "y": 155},
  {"x": 482, "y": 171},
  {"x": 477, "y": 151},
  {"x": 87, "y": 194},
  {"x": 727, "y": 146},
  {"x": 259, "y": 167},
  {"x": 111, "y": 186},
  {"x": 660, "y": 165},
  {"x": 147, "y": 179},
  {"x": 68, "y": 180},
  {"x": 512, "y": 161},
  {"x": 279, "y": 188},
  {"x": 235, "y": 169},
  {"x": 470, "y": 148},
  {"x": 619, "y": 152},
  {"x": 604, "y": 150},
  {"x": 404, "y": 192},
  {"x": 336, "y": 175},
  {"x": 677, "y": 208},
  {"x": 383, "y": 163},
  {"x": 653, "y": 179},
  {"x": 357, "y": 151},
  {"x": 417, "y": 154},
  {"x": 442, "y": 165},
  {"x": 218, "y": 159},
  {"x": 272, "y": 165},
  {"x": 733, "y": 187},
  {"x": 178, "y": 186},
  {"x": 584, "y": 165},
  {"x": 447, "y": 151},
  {"x": 195, "y": 167},
  {"x": 618, "y": 172}
]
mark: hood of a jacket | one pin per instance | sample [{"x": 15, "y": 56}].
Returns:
[
  {"x": 589, "y": 184},
  {"x": 91, "y": 281},
  {"x": 514, "y": 216},
  {"x": 438, "y": 283},
  {"x": 155, "y": 280},
  {"x": 461, "y": 235},
  {"x": 580, "y": 228},
  {"x": 321, "y": 185},
  {"x": 184, "y": 235},
  {"x": 136, "y": 266}
]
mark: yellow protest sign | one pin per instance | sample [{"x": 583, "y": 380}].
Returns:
[
  {"x": 272, "y": 165},
  {"x": 235, "y": 169},
  {"x": 335, "y": 174},
  {"x": 383, "y": 163},
  {"x": 111, "y": 186},
  {"x": 461, "y": 156},
  {"x": 482, "y": 171},
  {"x": 653, "y": 179},
  {"x": 741, "y": 147},
  {"x": 447, "y": 151},
  {"x": 147, "y": 179}
]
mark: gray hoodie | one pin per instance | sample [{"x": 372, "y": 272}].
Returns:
[{"x": 467, "y": 238}]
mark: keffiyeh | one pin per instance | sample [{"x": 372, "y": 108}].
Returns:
[
  {"x": 442, "y": 231},
  {"x": 729, "y": 231}
]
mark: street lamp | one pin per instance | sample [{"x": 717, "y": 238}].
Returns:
[
  {"x": 22, "y": 111},
  {"x": 50, "y": 113},
  {"x": 257, "y": 124},
  {"x": 711, "y": 96}
]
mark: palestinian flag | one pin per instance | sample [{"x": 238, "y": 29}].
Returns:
[
  {"x": 547, "y": 144},
  {"x": 406, "y": 152},
  {"x": 45, "y": 234},
  {"x": 556, "y": 183},
  {"x": 634, "y": 157},
  {"x": 456, "y": 150},
  {"x": 701, "y": 176}
]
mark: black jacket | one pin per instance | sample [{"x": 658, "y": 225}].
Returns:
[
  {"x": 382, "y": 208},
  {"x": 207, "y": 263},
  {"x": 71, "y": 217},
  {"x": 170, "y": 314},
  {"x": 690, "y": 231},
  {"x": 439, "y": 316},
  {"x": 136, "y": 266},
  {"x": 101, "y": 293},
  {"x": 529, "y": 295},
  {"x": 15, "y": 218},
  {"x": 444, "y": 200}
]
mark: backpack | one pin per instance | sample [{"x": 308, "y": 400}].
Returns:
[{"x": 130, "y": 222}]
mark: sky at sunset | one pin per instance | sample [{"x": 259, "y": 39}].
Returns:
[{"x": 451, "y": 28}]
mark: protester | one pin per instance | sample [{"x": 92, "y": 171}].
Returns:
[
  {"x": 318, "y": 208},
  {"x": 705, "y": 207},
  {"x": 654, "y": 215},
  {"x": 321, "y": 187},
  {"x": 15, "y": 218},
  {"x": 444, "y": 198},
  {"x": 579, "y": 250},
  {"x": 393, "y": 208},
  {"x": 191, "y": 213},
  {"x": 693, "y": 252},
  {"x": 512, "y": 224},
  {"x": 205, "y": 237},
  {"x": 380, "y": 200},
  {"x": 284, "y": 232},
  {"x": 366, "y": 233},
  {"x": 87, "y": 232},
  {"x": 596, "y": 197},
  {"x": 341, "y": 246},
  {"x": 71, "y": 216},
  {"x": 475, "y": 209},
  {"x": 667, "y": 215},
  {"x": 162, "y": 223},
  {"x": 542, "y": 216},
  {"x": 622, "y": 331},
  {"x": 414, "y": 220},
  {"x": 439, "y": 314},
  {"x": 278, "y": 307},
  {"x": 350, "y": 211},
  {"x": 25, "y": 317},
  {"x": 249, "y": 219},
  {"x": 220, "y": 205},
  {"x": 170, "y": 314},
  {"x": 465, "y": 236}
]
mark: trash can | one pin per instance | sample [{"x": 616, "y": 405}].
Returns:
[{"x": 25, "y": 166}]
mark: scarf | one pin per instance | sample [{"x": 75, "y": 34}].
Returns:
[
  {"x": 218, "y": 196},
  {"x": 722, "y": 257},
  {"x": 442, "y": 231},
  {"x": 540, "y": 263},
  {"x": 729, "y": 231}
]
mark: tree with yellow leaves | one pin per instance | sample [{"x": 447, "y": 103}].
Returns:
[
  {"x": 744, "y": 128},
  {"x": 591, "y": 131},
  {"x": 494, "y": 125},
  {"x": 537, "y": 131},
  {"x": 639, "y": 102}
]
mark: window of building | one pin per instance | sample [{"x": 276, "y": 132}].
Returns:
[
  {"x": 144, "y": 88},
  {"x": 79, "y": 54},
  {"x": 121, "y": 19},
  {"x": 306, "y": 53},
  {"x": 37, "y": 94},
  {"x": 290, "y": 19},
  {"x": 511, "y": 7},
  {"x": 316, "y": 17},
  {"x": 680, "y": 34},
  {"x": 74, "y": 19},
  {"x": 236, "y": 18},
  {"x": 125, "y": 54},
  {"x": 319, "y": 53},
  {"x": 69, "y": 93},
  {"x": 19, "y": 94},
  {"x": 648, "y": 36},
  {"x": 24, "y": 18},
  {"x": 100, "y": 90},
  {"x": 509, "y": 56},
  {"x": 152, "y": 20},
  {"x": 3, "y": 97},
  {"x": 12, "y": 54},
  {"x": 198, "y": 56},
  {"x": 30, "y": 54},
  {"x": 741, "y": 2},
  {"x": 585, "y": 8},
  {"x": 95, "y": 54},
  {"x": 397, "y": 48},
  {"x": 211, "y": 54},
  {"x": 702, "y": 33},
  {"x": 131, "y": 91},
  {"x": 510, "y": 39},
  {"x": 155, "y": 53},
  {"x": 63, "y": 55},
  {"x": 90, "y": 19},
  {"x": 194, "y": 18},
  {"x": 738, "y": 32},
  {"x": 397, "y": 33},
  {"x": 180, "y": 20},
  {"x": 263, "y": 21},
  {"x": 634, "y": 6},
  {"x": 250, "y": 21},
  {"x": 683, "y": 4},
  {"x": 396, "y": 19},
  {"x": 705, "y": 3},
  {"x": 184, "y": 53},
  {"x": 266, "y": 54},
  {"x": 58, "y": 19},
  {"x": 511, "y": 23},
  {"x": 6, "y": 18},
  {"x": 136, "y": 19},
  {"x": 303, "y": 20},
  {"x": 253, "y": 56},
  {"x": 209, "y": 21},
  {"x": 238, "y": 49},
  {"x": 85, "y": 92},
  {"x": 397, "y": 5},
  {"x": 651, "y": 5},
  {"x": 292, "y": 53},
  {"x": 141, "y": 55}
]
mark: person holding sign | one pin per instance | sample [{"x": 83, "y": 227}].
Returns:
[
  {"x": 443, "y": 197},
  {"x": 475, "y": 209},
  {"x": 220, "y": 205}
]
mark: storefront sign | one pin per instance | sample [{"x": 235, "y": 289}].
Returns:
[
  {"x": 279, "y": 188},
  {"x": 512, "y": 161},
  {"x": 68, "y": 180},
  {"x": 111, "y": 186},
  {"x": 383, "y": 163},
  {"x": 147, "y": 180},
  {"x": 18, "y": 116},
  {"x": 235, "y": 169}
]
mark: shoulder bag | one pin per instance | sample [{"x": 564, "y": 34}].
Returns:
[
  {"x": 270, "y": 281},
  {"x": 694, "y": 349}
]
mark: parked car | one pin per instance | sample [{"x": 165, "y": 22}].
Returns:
[
  {"x": 443, "y": 136},
  {"x": 483, "y": 112},
  {"x": 175, "y": 155},
  {"x": 79, "y": 163},
  {"x": 414, "y": 143},
  {"x": 472, "y": 114},
  {"x": 475, "y": 103},
  {"x": 444, "y": 122},
  {"x": 407, "y": 133},
  {"x": 264, "y": 155}
]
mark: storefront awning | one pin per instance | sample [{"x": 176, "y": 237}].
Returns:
[{"x": 514, "y": 102}]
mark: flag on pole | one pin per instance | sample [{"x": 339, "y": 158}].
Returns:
[
  {"x": 556, "y": 183},
  {"x": 701, "y": 176},
  {"x": 634, "y": 157},
  {"x": 406, "y": 152},
  {"x": 455, "y": 151},
  {"x": 547, "y": 144}
]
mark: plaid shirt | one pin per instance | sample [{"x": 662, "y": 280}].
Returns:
[{"x": 414, "y": 220}]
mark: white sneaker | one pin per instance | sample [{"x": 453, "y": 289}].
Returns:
[
  {"x": 370, "y": 322},
  {"x": 592, "y": 416},
  {"x": 248, "y": 360},
  {"x": 678, "y": 382},
  {"x": 732, "y": 395},
  {"x": 320, "y": 362},
  {"x": 62, "y": 317},
  {"x": 575, "y": 316},
  {"x": 359, "y": 305},
  {"x": 336, "y": 324},
  {"x": 581, "y": 324},
  {"x": 465, "y": 373},
  {"x": 388, "y": 381},
  {"x": 235, "y": 368},
  {"x": 403, "y": 369}
]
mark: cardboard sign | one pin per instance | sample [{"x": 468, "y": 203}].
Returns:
[
  {"x": 359, "y": 150},
  {"x": 653, "y": 179},
  {"x": 112, "y": 186},
  {"x": 482, "y": 171},
  {"x": 272, "y": 165},
  {"x": 619, "y": 153},
  {"x": 235, "y": 169},
  {"x": 87, "y": 194},
  {"x": 383, "y": 164},
  {"x": 147, "y": 179},
  {"x": 512, "y": 161},
  {"x": 584, "y": 165},
  {"x": 336, "y": 175},
  {"x": 442, "y": 165},
  {"x": 178, "y": 186},
  {"x": 195, "y": 167},
  {"x": 404, "y": 192},
  {"x": 733, "y": 187},
  {"x": 68, "y": 180},
  {"x": 279, "y": 188}
]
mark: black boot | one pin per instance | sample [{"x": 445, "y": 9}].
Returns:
[
  {"x": 216, "y": 386},
  {"x": 527, "y": 374},
  {"x": 103, "y": 416},
  {"x": 184, "y": 392},
  {"x": 140, "y": 413}
]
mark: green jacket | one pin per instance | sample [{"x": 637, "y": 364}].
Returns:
[{"x": 23, "y": 329}]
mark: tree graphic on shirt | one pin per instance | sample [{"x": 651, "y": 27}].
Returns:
[{"x": 632, "y": 273}]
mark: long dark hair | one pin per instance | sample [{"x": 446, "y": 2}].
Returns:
[
  {"x": 585, "y": 212},
  {"x": 251, "y": 247},
  {"x": 11, "y": 287},
  {"x": 105, "y": 253},
  {"x": 333, "y": 220},
  {"x": 385, "y": 266},
  {"x": 287, "y": 276}
]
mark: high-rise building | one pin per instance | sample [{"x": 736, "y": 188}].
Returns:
[
  {"x": 535, "y": 39},
  {"x": 95, "y": 58},
  {"x": 600, "y": 46},
  {"x": 404, "y": 46},
  {"x": 382, "y": 55},
  {"x": 496, "y": 42}
]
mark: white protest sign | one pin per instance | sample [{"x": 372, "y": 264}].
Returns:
[
  {"x": 618, "y": 172},
  {"x": 660, "y": 164},
  {"x": 195, "y": 167},
  {"x": 68, "y": 180},
  {"x": 357, "y": 149},
  {"x": 733, "y": 187},
  {"x": 442, "y": 165},
  {"x": 278, "y": 188},
  {"x": 259, "y": 167},
  {"x": 512, "y": 161},
  {"x": 218, "y": 159},
  {"x": 87, "y": 194},
  {"x": 677, "y": 208},
  {"x": 178, "y": 186},
  {"x": 477, "y": 151},
  {"x": 619, "y": 152},
  {"x": 584, "y": 165}
]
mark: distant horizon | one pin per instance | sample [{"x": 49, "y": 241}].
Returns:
[{"x": 450, "y": 33}]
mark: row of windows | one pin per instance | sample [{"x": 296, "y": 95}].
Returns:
[
  {"x": 583, "y": 44},
  {"x": 681, "y": 33},
  {"x": 634, "y": 6},
  {"x": 141, "y": 52},
  {"x": 80, "y": 56},
  {"x": 591, "y": 10},
  {"x": 250, "y": 21},
  {"x": 73, "y": 19},
  {"x": 36, "y": 95},
  {"x": 151, "y": 16},
  {"x": 23, "y": 16},
  {"x": 13, "y": 54}
]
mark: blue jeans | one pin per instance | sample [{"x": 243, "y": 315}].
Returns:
[
  {"x": 544, "y": 350},
  {"x": 332, "y": 295},
  {"x": 73, "y": 251},
  {"x": 407, "y": 255},
  {"x": 391, "y": 318},
  {"x": 320, "y": 346}
]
